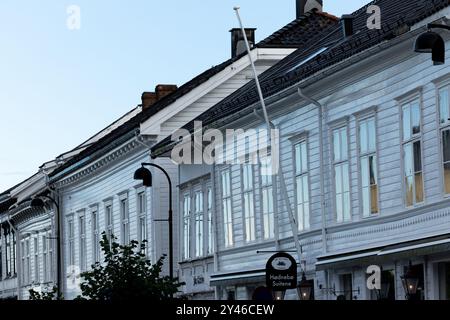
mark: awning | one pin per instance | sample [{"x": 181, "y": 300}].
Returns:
[
  {"x": 235, "y": 278},
  {"x": 378, "y": 255}
]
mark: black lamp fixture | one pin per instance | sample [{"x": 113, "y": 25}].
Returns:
[
  {"x": 37, "y": 203},
  {"x": 305, "y": 288},
  {"x": 432, "y": 42},
  {"x": 279, "y": 295},
  {"x": 145, "y": 175},
  {"x": 410, "y": 282}
]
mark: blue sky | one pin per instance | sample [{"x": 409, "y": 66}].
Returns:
[{"x": 59, "y": 87}]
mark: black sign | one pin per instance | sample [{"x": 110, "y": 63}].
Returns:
[{"x": 281, "y": 272}]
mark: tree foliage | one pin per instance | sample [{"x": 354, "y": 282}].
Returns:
[
  {"x": 126, "y": 275},
  {"x": 46, "y": 295}
]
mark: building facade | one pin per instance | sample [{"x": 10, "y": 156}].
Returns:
[{"x": 363, "y": 149}]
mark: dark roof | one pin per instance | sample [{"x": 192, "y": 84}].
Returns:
[
  {"x": 295, "y": 34},
  {"x": 396, "y": 16}
]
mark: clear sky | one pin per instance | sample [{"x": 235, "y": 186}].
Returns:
[{"x": 58, "y": 86}]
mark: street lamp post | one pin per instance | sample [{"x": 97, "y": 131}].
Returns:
[
  {"x": 39, "y": 203},
  {"x": 145, "y": 175}
]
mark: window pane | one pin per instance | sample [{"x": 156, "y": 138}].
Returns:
[
  {"x": 417, "y": 157},
  {"x": 409, "y": 190},
  {"x": 372, "y": 134},
  {"x": 419, "y": 187},
  {"x": 374, "y": 199},
  {"x": 443, "y": 105},
  {"x": 304, "y": 157},
  {"x": 345, "y": 178},
  {"x": 415, "y": 113},
  {"x": 338, "y": 179},
  {"x": 336, "y": 145},
  {"x": 406, "y": 123},
  {"x": 299, "y": 190},
  {"x": 365, "y": 201},
  {"x": 447, "y": 178},
  {"x": 408, "y": 161},
  {"x": 344, "y": 143},
  {"x": 346, "y": 204},
  {"x": 298, "y": 159},
  {"x": 339, "y": 212},
  {"x": 446, "y": 145},
  {"x": 364, "y": 172},
  {"x": 363, "y": 137},
  {"x": 373, "y": 170}
]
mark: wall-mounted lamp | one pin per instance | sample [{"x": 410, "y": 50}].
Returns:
[{"x": 432, "y": 42}]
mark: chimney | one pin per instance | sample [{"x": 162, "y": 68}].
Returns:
[
  {"x": 161, "y": 90},
  {"x": 237, "y": 40},
  {"x": 304, "y": 6},
  {"x": 347, "y": 25}
]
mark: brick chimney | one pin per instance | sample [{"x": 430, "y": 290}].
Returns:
[{"x": 161, "y": 90}]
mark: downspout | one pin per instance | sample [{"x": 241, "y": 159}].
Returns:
[
  {"x": 216, "y": 230},
  {"x": 18, "y": 253},
  {"x": 322, "y": 188}
]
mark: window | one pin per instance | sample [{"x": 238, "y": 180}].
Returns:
[
  {"x": 267, "y": 198},
  {"x": 36, "y": 259},
  {"x": 209, "y": 204},
  {"x": 198, "y": 214},
  {"x": 368, "y": 163},
  {"x": 412, "y": 153},
  {"x": 124, "y": 213},
  {"x": 71, "y": 238},
  {"x": 186, "y": 225},
  {"x": 142, "y": 218},
  {"x": 444, "y": 121},
  {"x": 226, "y": 208},
  {"x": 249, "y": 206},
  {"x": 341, "y": 174},
  {"x": 28, "y": 264},
  {"x": 95, "y": 235},
  {"x": 1, "y": 254},
  {"x": 302, "y": 185},
  {"x": 10, "y": 241},
  {"x": 51, "y": 243},
  {"x": 82, "y": 242},
  {"x": 45, "y": 258},
  {"x": 24, "y": 278},
  {"x": 109, "y": 222}
]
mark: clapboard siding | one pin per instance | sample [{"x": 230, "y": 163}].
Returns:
[{"x": 380, "y": 88}]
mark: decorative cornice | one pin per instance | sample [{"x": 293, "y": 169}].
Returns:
[{"x": 100, "y": 164}]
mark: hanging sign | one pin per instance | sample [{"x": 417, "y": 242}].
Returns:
[{"x": 281, "y": 272}]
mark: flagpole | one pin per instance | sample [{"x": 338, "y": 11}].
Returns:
[{"x": 270, "y": 126}]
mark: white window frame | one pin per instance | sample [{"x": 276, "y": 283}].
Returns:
[
  {"x": 415, "y": 98},
  {"x": 248, "y": 201},
  {"x": 199, "y": 221},
  {"x": 71, "y": 241},
  {"x": 209, "y": 219},
  {"x": 341, "y": 125},
  {"x": 36, "y": 259},
  {"x": 124, "y": 218},
  {"x": 304, "y": 219},
  {"x": 82, "y": 240},
  {"x": 109, "y": 220},
  {"x": 365, "y": 118},
  {"x": 186, "y": 224},
  {"x": 95, "y": 233},
  {"x": 267, "y": 188},
  {"x": 227, "y": 201},
  {"x": 141, "y": 208},
  {"x": 442, "y": 127},
  {"x": 45, "y": 257}
]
